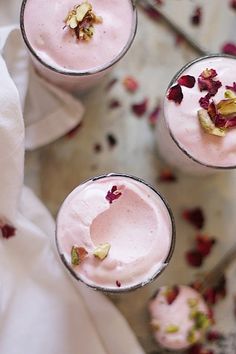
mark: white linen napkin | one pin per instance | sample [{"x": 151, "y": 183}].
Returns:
[
  {"x": 49, "y": 112},
  {"x": 41, "y": 309}
]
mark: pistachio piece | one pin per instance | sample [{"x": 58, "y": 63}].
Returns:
[
  {"x": 172, "y": 329},
  {"x": 82, "y": 10},
  {"x": 72, "y": 22},
  {"x": 191, "y": 338},
  {"x": 230, "y": 94},
  {"x": 77, "y": 255},
  {"x": 102, "y": 251},
  {"x": 207, "y": 124},
  {"x": 227, "y": 107},
  {"x": 192, "y": 302},
  {"x": 201, "y": 320}
]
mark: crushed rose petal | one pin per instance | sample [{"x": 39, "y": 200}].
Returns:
[
  {"x": 97, "y": 148},
  {"x": 194, "y": 258},
  {"x": 195, "y": 217},
  {"x": 175, "y": 94},
  {"x": 139, "y": 109},
  {"x": 112, "y": 140},
  {"x": 187, "y": 81},
  {"x": 213, "y": 294},
  {"x": 199, "y": 349},
  {"x": 154, "y": 115},
  {"x": 229, "y": 48},
  {"x": 118, "y": 283},
  {"x": 205, "y": 101},
  {"x": 204, "y": 244},
  {"x": 113, "y": 194},
  {"x": 232, "y": 88},
  {"x": 213, "y": 336},
  {"x": 7, "y": 230},
  {"x": 130, "y": 84},
  {"x": 196, "y": 17},
  {"x": 171, "y": 294},
  {"x": 114, "y": 103},
  {"x": 167, "y": 175}
]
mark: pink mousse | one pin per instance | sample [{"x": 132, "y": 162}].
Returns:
[
  {"x": 137, "y": 225},
  {"x": 183, "y": 122},
  {"x": 56, "y": 46},
  {"x": 178, "y": 313}
]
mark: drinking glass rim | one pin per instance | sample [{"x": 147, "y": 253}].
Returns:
[
  {"x": 173, "y": 80},
  {"x": 80, "y": 72},
  {"x": 141, "y": 284}
]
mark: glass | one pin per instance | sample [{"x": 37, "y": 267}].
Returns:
[
  {"x": 75, "y": 80},
  {"x": 168, "y": 146},
  {"x": 160, "y": 269}
]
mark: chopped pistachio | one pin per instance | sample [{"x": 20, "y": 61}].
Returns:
[
  {"x": 74, "y": 256},
  {"x": 192, "y": 302},
  {"x": 82, "y": 10},
  {"x": 102, "y": 251},
  {"x": 230, "y": 94},
  {"x": 227, "y": 107},
  {"x": 191, "y": 338},
  {"x": 207, "y": 124},
  {"x": 172, "y": 329},
  {"x": 201, "y": 320},
  {"x": 155, "y": 324}
]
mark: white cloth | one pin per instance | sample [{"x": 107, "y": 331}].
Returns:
[{"x": 41, "y": 309}]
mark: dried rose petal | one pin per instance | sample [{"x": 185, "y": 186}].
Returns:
[
  {"x": 214, "y": 294},
  {"x": 197, "y": 16},
  {"x": 229, "y": 48},
  {"x": 213, "y": 336},
  {"x": 204, "y": 244},
  {"x": 140, "y": 108},
  {"x": 196, "y": 285},
  {"x": 194, "y": 258},
  {"x": 154, "y": 115},
  {"x": 233, "y": 4},
  {"x": 130, "y": 84},
  {"x": 171, "y": 294},
  {"x": 195, "y": 349},
  {"x": 209, "y": 85},
  {"x": 114, "y": 103},
  {"x": 175, "y": 94},
  {"x": 118, "y": 283},
  {"x": 232, "y": 88},
  {"x": 187, "y": 80},
  {"x": 167, "y": 175},
  {"x": 210, "y": 296},
  {"x": 97, "y": 148},
  {"x": 111, "y": 83},
  {"x": 74, "y": 131},
  {"x": 205, "y": 101},
  {"x": 113, "y": 194},
  {"x": 195, "y": 217},
  {"x": 112, "y": 140},
  {"x": 7, "y": 230}
]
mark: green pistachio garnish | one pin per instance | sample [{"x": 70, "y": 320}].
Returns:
[
  {"x": 229, "y": 94},
  {"x": 201, "y": 320},
  {"x": 172, "y": 329},
  {"x": 102, "y": 251},
  {"x": 227, "y": 107},
  {"x": 155, "y": 324},
  {"x": 82, "y": 19},
  {"x": 192, "y": 302},
  {"x": 207, "y": 124},
  {"x": 77, "y": 255},
  {"x": 191, "y": 338}
]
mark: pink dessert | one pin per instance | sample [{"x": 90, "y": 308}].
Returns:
[
  {"x": 58, "y": 45},
  {"x": 115, "y": 232},
  {"x": 179, "y": 317},
  {"x": 192, "y": 142}
]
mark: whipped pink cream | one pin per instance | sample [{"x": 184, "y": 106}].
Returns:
[
  {"x": 183, "y": 122},
  {"x": 56, "y": 46},
  {"x": 137, "y": 225},
  {"x": 177, "y": 317}
]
